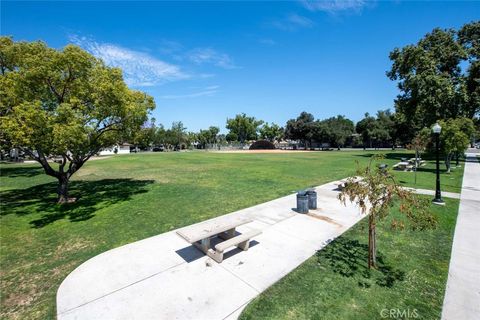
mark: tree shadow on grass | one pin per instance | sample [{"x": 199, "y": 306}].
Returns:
[
  {"x": 349, "y": 259},
  {"x": 91, "y": 197},
  {"x": 13, "y": 172}
]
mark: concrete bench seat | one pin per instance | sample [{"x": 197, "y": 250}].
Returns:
[{"x": 242, "y": 241}]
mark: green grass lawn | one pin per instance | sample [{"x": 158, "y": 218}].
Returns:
[
  {"x": 127, "y": 198},
  {"x": 337, "y": 284}
]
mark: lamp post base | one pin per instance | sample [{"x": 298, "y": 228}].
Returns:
[{"x": 439, "y": 202}]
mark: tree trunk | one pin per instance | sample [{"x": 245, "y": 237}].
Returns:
[
  {"x": 416, "y": 164},
  {"x": 62, "y": 189},
  {"x": 447, "y": 162},
  {"x": 372, "y": 246}
]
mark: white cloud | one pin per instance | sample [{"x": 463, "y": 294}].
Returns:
[
  {"x": 211, "y": 56},
  {"x": 335, "y": 6},
  {"x": 300, "y": 21},
  {"x": 293, "y": 22},
  {"x": 139, "y": 68},
  {"x": 206, "y": 92},
  {"x": 170, "y": 47}
]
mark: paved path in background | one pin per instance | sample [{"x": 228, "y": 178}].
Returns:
[
  {"x": 427, "y": 192},
  {"x": 164, "y": 277},
  {"x": 462, "y": 296}
]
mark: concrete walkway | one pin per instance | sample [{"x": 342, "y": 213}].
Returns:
[
  {"x": 428, "y": 192},
  {"x": 462, "y": 296},
  {"x": 164, "y": 277}
]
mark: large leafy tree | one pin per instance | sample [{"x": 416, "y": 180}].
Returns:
[
  {"x": 176, "y": 136},
  {"x": 301, "y": 128},
  {"x": 455, "y": 138},
  {"x": 379, "y": 130},
  {"x": 208, "y": 136},
  {"x": 145, "y": 136},
  {"x": 337, "y": 130},
  {"x": 243, "y": 127},
  {"x": 431, "y": 80},
  {"x": 365, "y": 128},
  {"x": 65, "y": 104},
  {"x": 469, "y": 38},
  {"x": 271, "y": 132},
  {"x": 384, "y": 127}
]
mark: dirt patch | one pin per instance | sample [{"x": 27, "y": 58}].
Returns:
[
  {"x": 19, "y": 300},
  {"x": 99, "y": 158},
  {"x": 324, "y": 218},
  {"x": 72, "y": 245}
]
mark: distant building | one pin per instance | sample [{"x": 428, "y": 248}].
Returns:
[{"x": 123, "y": 148}]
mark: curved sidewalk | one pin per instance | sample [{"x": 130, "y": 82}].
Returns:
[
  {"x": 462, "y": 296},
  {"x": 164, "y": 277}
]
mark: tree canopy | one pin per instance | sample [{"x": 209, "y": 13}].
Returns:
[
  {"x": 300, "y": 128},
  {"x": 176, "y": 135},
  {"x": 145, "y": 136},
  {"x": 271, "y": 132},
  {"x": 431, "y": 80},
  {"x": 64, "y": 103},
  {"x": 208, "y": 136},
  {"x": 377, "y": 131},
  {"x": 335, "y": 130},
  {"x": 243, "y": 128},
  {"x": 455, "y": 137}
]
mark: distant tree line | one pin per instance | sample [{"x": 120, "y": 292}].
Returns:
[{"x": 305, "y": 130}]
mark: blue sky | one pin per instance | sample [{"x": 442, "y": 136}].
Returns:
[{"x": 206, "y": 61}]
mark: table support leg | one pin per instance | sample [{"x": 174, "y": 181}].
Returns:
[
  {"x": 205, "y": 245},
  {"x": 230, "y": 233}
]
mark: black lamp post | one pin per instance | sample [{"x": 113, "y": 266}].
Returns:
[{"x": 438, "y": 195}]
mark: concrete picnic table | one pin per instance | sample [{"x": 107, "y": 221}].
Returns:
[
  {"x": 402, "y": 165},
  {"x": 224, "y": 227}
]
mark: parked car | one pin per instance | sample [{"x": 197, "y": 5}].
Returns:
[{"x": 159, "y": 148}]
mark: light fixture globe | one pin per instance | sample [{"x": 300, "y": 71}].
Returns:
[{"x": 436, "y": 128}]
